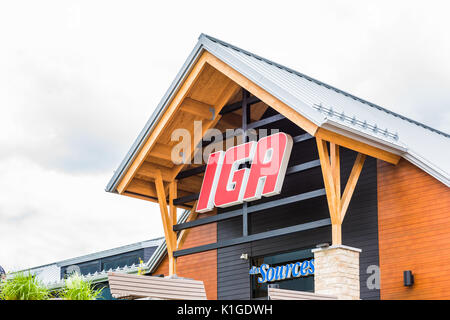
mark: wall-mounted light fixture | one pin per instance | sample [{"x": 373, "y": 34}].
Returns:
[
  {"x": 408, "y": 278},
  {"x": 244, "y": 256}
]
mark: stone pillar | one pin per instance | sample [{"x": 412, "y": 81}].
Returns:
[{"x": 337, "y": 272}]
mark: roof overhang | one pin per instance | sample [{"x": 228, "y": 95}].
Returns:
[
  {"x": 211, "y": 54},
  {"x": 186, "y": 80}
]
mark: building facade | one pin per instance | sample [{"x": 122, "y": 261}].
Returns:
[{"x": 362, "y": 188}]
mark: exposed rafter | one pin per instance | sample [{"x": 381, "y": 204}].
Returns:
[
  {"x": 229, "y": 90},
  {"x": 198, "y": 108}
]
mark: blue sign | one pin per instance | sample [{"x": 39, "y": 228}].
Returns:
[{"x": 291, "y": 270}]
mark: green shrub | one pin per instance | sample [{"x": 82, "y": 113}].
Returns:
[
  {"x": 77, "y": 288},
  {"x": 23, "y": 286}
]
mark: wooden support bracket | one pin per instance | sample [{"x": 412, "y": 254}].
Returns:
[{"x": 337, "y": 205}]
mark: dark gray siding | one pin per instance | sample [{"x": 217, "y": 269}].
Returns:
[{"x": 360, "y": 227}]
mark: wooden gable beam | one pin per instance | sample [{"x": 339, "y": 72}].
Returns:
[
  {"x": 198, "y": 108},
  {"x": 337, "y": 205},
  {"x": 162, "y": 151},
  {"x": 149, "y": 170},
  {"x": 143, "y": 187}
]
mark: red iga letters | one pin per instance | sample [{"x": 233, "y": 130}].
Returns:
[{"x": 227, "y": 183}]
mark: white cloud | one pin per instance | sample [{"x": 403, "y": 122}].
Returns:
[
  {"x": 78, "y": 80},
  {"x": 47, "y": 215}
]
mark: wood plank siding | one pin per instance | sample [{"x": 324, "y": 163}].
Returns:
[
  {"x": 200, "y": 266},
  {"x": 414, "y": 225}
]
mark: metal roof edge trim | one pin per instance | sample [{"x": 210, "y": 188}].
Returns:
[
  {"x": 426, "y": 166},
  {"x": 373, "y": 105},
  {"x": 98, "y": 255},
  {"x": 111, "y": 252},
  {"x": 406, "y": 153},
  {"x": 361, "y": 136},
  {"x": 97, "y": 277},
  {"x": 143, "y": 135}
]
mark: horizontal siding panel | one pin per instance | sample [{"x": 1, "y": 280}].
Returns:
[{"x": 414, "y": 219}]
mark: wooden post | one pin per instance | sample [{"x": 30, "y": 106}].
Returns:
[
  {"x": 173, "y": 221},
  {"x": 169, "y": 234},
  {"x": 173, "y": 196},
  {"x": 330, "y": 190},
  {"x": 337, "y": 205}
]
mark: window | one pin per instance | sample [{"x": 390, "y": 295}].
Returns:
[
  {"x": 82, "y": 268},
  {"x": 304, "y": 283},
  {"x": 121, "y": 261}
]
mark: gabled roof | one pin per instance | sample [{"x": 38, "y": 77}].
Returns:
[
  {"x": 322, "y": 104},
  {"x": 112, "y": 252},
  {"x": 54, "y": 281}
]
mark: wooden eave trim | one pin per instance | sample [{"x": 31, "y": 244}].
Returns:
[{"x": 356, "y": 145}]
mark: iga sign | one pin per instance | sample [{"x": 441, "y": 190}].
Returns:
[
  {"x": 226, "y": 184},
  {"x": 288, "y": 271}
]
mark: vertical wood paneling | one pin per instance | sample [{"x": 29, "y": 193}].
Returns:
[{"x": 414, "y": 225}]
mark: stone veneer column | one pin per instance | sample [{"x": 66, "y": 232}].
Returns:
[{"x": 337, "y": 272}]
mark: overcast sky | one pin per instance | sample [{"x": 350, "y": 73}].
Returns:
[{"x": 78, "y": 80}]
